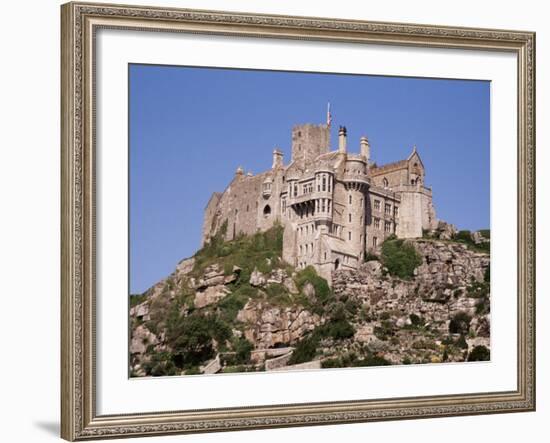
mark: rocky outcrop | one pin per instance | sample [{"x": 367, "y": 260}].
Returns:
[
  {"x": 268, "y": 326},
  {"x": 141, "y": 339},
  {"x": 440, "y": 314},
  {"x": 210, "y": 295},
  {"x": 440, "y": 290}
]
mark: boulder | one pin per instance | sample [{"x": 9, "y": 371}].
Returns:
[
  {"x": 257, "y": 278},
  {"x": 290, "y": 286},
  {"x": 210, "y": 295},
  {"x": 141, "y": 339},
  {"x": 184, "y": 267}
]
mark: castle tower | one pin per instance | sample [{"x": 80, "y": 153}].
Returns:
[
  {"x": 309, "y": 141},
  {"x": 365, "y": 149},
  {"x": 277, "y": 159},
  {"x": 356, "y": 186},
  {"x": 342, "y": 139}
]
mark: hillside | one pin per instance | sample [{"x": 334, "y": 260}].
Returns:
[{"x": 236, "y": 307}]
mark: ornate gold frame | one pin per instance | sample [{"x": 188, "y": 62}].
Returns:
[{"x": 79, "y": 420}]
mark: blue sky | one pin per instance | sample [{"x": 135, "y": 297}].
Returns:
[{"x": 190, "y": 128}]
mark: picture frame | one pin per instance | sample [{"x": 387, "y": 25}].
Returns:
[{"x": 79, "y": 178}]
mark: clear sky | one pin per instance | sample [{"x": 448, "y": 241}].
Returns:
[{"x": 190, "y": 128}]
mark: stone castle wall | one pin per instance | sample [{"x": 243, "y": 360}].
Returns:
[{"x": 333, "y": 207}]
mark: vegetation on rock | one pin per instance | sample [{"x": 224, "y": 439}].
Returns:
[
  {"x": 236, "y": 307},
  {"x": 400, "y": 257}
]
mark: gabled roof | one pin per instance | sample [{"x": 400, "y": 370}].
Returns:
[
  {"x": 413, "y": 154},
  {"x": 395, "y": 166},
  {"x": 388, "y": 167}
]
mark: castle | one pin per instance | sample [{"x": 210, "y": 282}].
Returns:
[{"x": 335, "y": 206}]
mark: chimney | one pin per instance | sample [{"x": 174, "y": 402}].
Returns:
[
  {"x": 277, "y": 159},
  {"x": 365, "y": 148},
  {"x": 342, "y": 139}
]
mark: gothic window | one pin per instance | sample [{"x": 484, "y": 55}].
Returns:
[
  {"x": 385, "y": 182},
  {"x": 396, "y": 211},
  {"x": 295, "y": 190},
  {"x": 377, "y": 223},
  {"x": 324, "y": 183},
  {"x": 377, "y": 205},
  {"x": 374, "y": 242},
  {"x": 267, "y": 210},
  {"x": 349, "y": 217},
  {"x": 349, "y": 235},
  {"x": 329, "y": 183},
  {"x": 350, "y": 199},
  {"x": 387, "y": 209},
  {"x": 387, "y": 226}
]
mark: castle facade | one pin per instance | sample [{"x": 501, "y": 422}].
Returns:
[{"x": 335, "y": 206}]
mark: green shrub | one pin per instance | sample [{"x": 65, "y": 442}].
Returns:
[
  {"x": 136, "y": 299},
  {"x": 461, "y": 342},
  {"x": 369, "y": 256},
  {"x": 278, "y": 294},
  {"x": 416, "y": 320},
  {"x": 384, "y": 331},
  {"x": 485, "y": 233},
  {"x": 483, "y": 306},
  {"x": 322, "y": 289},
  {"x": 464, "y": 236},
  {"x": 400, "y": 258},
  {"x": 304, "y": 351},
  {"x": 479, "y": 353},
  {"x": 160, "y": 364},
  {"x": 191, "y": 338},
  {"x": 373, "y": 360},
  {"x": 460, "y": 323}
]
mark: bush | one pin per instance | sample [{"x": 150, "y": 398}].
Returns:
[
  {"x": 460, "y": 323},
  {"x": 479, "y": 353},
  {"x": 463, "y": 236},
  {"x": 373, "y": 360},
  {"x": 400, "y": 257},
  {"x": 416, "y": 320},
  {"x": 461, "y": 342},
  {"x": 191, "y": 338},
  {"x": 304, "y": 351},
  {"x": 322, "y": 289},
  {"x": 160, "y": 364},
  {"x": 369, "y": 256}
]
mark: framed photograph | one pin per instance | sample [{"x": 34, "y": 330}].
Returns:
[{"x": 277, "y": 221}]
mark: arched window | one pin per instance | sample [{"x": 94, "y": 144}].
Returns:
[
  {"x": 336, "y": 264},
  {"x": 267, "y": 210},
  {"x": 385, "y": 182}
]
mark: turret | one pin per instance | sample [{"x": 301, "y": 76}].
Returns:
[
  {"x": 365, "y": 148},
  {"x": 342, "y": 139},
  {"x": 277, "y": 159}
]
